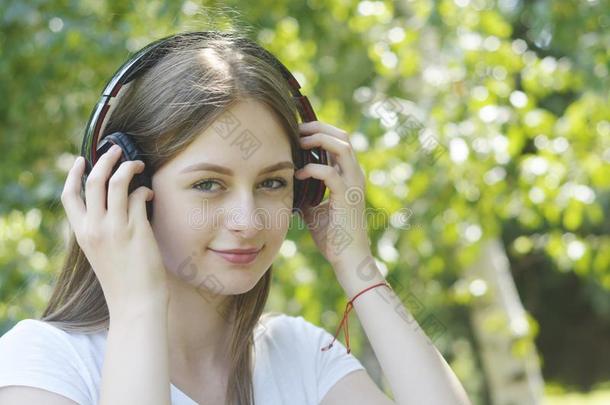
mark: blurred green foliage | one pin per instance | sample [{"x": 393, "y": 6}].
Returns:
[{"x": 513, "y": 96}]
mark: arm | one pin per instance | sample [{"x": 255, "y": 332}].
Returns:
[
  {"x": 414, "y": 368},
  {"x": 136, "y": 365},
  {"x": 19, "y": 394}
]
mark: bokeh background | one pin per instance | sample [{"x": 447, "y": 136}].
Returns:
[{"x": 483, "y": 127}]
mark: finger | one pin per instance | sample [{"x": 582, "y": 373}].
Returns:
[
  {"x": 311, "y": 213},
  {"x": 342, "y": 151},
  {"x": 137, "y": 205},
  {"x": 327, "y": 174},
  {"x": 71, "y": 194},
  {"x": 311, "y": 127},
  {"x": 118, "y": 188},
  {"x": 95, "y": 187},
  {"x": 331, "y": 162}
]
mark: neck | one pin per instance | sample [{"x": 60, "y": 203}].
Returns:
[{"x": 199, "y": 328}]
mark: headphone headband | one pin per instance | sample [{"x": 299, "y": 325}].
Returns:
[{"x": 309, "y": 191}]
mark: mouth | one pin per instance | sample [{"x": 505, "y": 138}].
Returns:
[{"x": 241, "y": 258}]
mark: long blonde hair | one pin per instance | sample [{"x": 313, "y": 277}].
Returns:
[{"x": 164, "y": 110}]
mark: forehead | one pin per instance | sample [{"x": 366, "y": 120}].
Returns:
[{"x": 248, "y": 134}]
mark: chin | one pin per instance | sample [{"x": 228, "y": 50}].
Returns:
[
  {"x": 229, "y": 283},
  {"x": 230, "y": 280}
]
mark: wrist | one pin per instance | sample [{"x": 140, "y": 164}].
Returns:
[
  {"x": 357, "y": 276},
  {"x": 153, "y": 306},
  {"x": 357, "y": 280}
]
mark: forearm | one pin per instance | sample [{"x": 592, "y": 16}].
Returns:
[
  {"x": 414, "y": 368},
  {"x": 136, "y": 365}
]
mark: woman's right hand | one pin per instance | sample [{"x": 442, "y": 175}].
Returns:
[{"x": 118, "y": 241}]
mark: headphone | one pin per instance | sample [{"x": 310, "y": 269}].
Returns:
[{"x": 307, "y": 192}]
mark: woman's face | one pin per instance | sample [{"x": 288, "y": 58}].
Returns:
[{"x": 235, "y": 205}]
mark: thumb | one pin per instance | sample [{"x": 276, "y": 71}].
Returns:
[{"x": 137, "y": 203}]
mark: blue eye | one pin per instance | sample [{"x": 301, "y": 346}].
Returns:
[{"x": 282, "y": 184}]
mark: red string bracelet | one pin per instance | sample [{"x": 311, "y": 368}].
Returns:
[{"x": 345, "y": 320}]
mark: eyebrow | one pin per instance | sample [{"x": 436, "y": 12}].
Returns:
[{"x": 225, "y": 170}]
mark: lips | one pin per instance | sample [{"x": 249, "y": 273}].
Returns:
[
  {"x": 238, "y": 256},
  {"x": 238, "y": 251}
]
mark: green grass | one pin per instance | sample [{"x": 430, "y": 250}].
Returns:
[{"x": 555, "y": 395}]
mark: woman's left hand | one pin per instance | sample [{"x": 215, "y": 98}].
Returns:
[{"x": 338, "y": 224}]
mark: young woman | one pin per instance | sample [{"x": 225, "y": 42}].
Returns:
[{"x": 158, "y": 307}]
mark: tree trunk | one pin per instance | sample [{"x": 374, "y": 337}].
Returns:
[{"x": 500, "y": 324}]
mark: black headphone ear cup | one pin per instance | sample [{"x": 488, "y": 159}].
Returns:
[
  {"x": 309, "y": 192},
  {"x": 305, "y": 194},
  {"x": 297, "y": 196},
  {"x": 130, "y": 153}
]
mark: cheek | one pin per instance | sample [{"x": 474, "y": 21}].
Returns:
[
  {"x": 179, "y": 230},
  {"x": 275, "y": 220},
  {"x": 277, "y": 230}
]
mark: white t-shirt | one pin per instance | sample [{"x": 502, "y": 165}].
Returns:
[{"x": 289, "y": 367}]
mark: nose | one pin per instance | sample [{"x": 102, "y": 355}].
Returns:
[{"x": 244, "y": 217}]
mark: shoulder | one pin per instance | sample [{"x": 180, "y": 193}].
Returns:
[
  {"x": 28, "y": 332},
  {"x": 42, "y": 336},
  {"x": 281, "y": 327},
  {"x": 296, "y": 342},
  {"x": 296, "y": 328},
  {"x": 38, "y": 354},
  {"x": 304, "y": 339},
  {"x": 285, "y": 322}
]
